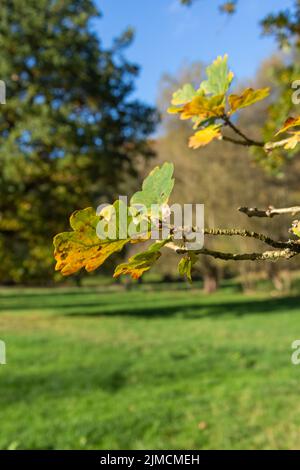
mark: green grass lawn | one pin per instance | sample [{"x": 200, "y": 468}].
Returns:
[{"x": 137, "y": 370}]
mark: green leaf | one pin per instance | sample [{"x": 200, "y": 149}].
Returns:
[
  {"x": 186, "y": 264},
  {"x": 156, "y": 188},
  {"x": 219, "y": 77},
  {"x": 142, "y": 262},
  {"x": 247, "y": 98},
  {"x": 183, "y": 95}
]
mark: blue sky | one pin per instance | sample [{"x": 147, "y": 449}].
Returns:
[{"x": 169, "y": 35}]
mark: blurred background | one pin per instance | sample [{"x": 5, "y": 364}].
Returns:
[{"x": 95, "y": 363}]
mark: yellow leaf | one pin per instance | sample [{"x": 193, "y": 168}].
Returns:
[
  {"x": 205, "y": 136},
  {"x": 288, "y": 144},
  {"x": 82, "y": 248},
  {"x": 204, "y": 108},
  {"x": 247, "y": 98},
  {"x": 291, "y": 142},
  {"x": 175, "y": 109},
  {"x": 290, "y": 122}
]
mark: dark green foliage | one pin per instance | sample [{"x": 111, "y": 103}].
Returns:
[{"x": 69, "y": 133}]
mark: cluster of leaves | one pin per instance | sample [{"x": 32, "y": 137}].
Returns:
[
  {"x": 83, "y": 248},
  {"x": 211, "y": 107}
]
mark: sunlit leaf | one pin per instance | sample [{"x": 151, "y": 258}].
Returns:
[
  {"x": 183, "y": 95},
  {"x": 138, "y": 264},
  {"x": 203, "y": 107},
  {"x": 82, "y": 248},
  {"x": 219, "y": 77},
  {"x": 289, "y": 123},
  {"x": 175, "y": 109},
  {"x": 292, "y": 141},
  {"x": 156, "y": 188},
  {"x": 205, "y": 136},
  {"x": 247, "y": 98},
  {"x": 296, "y": 228}
]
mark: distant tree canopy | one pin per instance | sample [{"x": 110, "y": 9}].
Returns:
[
  {"x": 70, "y": 134},
  {"x": 230, "y": 169}
]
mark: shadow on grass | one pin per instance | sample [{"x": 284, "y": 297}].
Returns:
[
  {"x": 194, "y": 310},
  {"x": 189, "y": 305},
  {"x": 57, "y": 384}
]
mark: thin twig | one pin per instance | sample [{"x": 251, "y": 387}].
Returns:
[
  {"x": 272, "y": 255},
  {"x": 248, "y": 141},
  {"x": 249, "y": 234},
  {"x": 236, "y": 141},
  {"x": 269, "y": 212}
]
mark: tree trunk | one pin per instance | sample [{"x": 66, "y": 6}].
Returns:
[{"x": 210, "y": 282}]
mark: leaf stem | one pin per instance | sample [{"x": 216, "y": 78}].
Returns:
[{"x": 246, "y": 140}]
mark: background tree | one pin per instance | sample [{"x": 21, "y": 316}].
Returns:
[
  {"x": 70, "y": 135},
  {"x": 225, "y": 178},
  {"x": 284, "y": 25}
]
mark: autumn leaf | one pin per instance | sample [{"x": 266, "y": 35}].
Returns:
[
  {"x": 203, "y": 107},
  {"x": 82, "y": 248},
  {"x": 95, "y": 237},
  {"x": 186, "y": 264},
  {"x": 219, "y": 77},
  {"x": 289, "y": 123},
  {"x": 138, "y": 264},
  {"x": 175, "y": 109},
  {"x": 156, "y": 188},
  {"x": 247, "y": 98},
  {"x": 291, "y": 142},
  {"x": 296, "y": 228},
  {"x": 205, "y": 136}
]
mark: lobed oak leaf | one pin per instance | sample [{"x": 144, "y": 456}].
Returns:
[
  {"x": 183, "y": 95},
  {"x": 82, "y": 248},
  {"x": 219, "y": 77},
  {"x": 138, "y": 264},
  {"x": 247, "y": 98},
  {"x": 202, "y": 107},
  {"x": 156, "y": 188},
  {"x": 289, "y": 123},
  {"x": 205, "y": 136}
]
